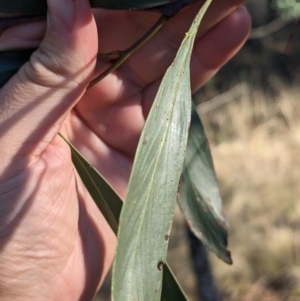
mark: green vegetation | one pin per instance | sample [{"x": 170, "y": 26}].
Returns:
[
  {"x": 256, "y": 155},
  {"x": 255, "y": 145},
  {"x": 288, "y": 9}
]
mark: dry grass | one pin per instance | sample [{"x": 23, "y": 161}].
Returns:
[
  {"x": 255, "y": 142},
  {"x": 256, "y": 145}
]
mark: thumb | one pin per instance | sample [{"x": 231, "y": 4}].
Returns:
[{"x": 37, "y": 99}]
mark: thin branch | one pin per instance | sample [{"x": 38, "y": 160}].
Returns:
[
  {"x": 124, "y": 55},
  {"x": 220, "y": 100},
  {"x": 293, "y": 35},
  {"x": 266, "y": 30}
]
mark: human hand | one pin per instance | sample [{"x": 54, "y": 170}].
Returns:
[{"x": 54, "y": 242}]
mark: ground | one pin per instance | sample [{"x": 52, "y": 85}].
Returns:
[{"x": 255, "y": 142}]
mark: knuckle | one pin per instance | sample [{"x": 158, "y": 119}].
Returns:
[
  {"x": 45, "y": 68},
  {"x": 172, "y": 39}
]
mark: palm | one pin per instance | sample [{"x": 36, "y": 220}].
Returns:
[
  {"x": 74, "y": 242},
  {"x": 116, "y": 108}
]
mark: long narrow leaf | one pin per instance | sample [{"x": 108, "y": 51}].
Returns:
[
  {"x": 148, "y": 211},
  {"x": 107, "y": 199},
  {"x": 39, "y": 7},
  {"x": 171, "y": 290},
  {"x": 199, "y": 196}
]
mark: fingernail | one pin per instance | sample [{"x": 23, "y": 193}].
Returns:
[{"x": 61, "y": 15}]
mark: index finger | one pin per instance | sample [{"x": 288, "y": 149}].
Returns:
[{"x": 151, "y": 60}]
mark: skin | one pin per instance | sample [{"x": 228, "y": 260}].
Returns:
[{"x": 54, "y": 242}]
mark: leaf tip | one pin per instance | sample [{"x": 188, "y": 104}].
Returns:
[{"x": 227, "y": 257}]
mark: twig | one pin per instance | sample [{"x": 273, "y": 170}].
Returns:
[
  {"x": 289, "y": 45},
  {"x": 124, "y": 55},
  {"x": 266, "y": 30},
  {"x": 220, "y": 100}
]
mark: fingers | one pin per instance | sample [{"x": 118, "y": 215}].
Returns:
[
  {"x": 151, "y": 61},
  {"x": 211, "y": 52},
  {"x": 219, "y": 46},
  {"x": 36, "y": 100},
  {"x": 23, "y": 36},
  {"x": 113, "y": 113}
]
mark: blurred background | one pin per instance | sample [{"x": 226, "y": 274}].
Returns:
[{"x": 251, "y": 114}]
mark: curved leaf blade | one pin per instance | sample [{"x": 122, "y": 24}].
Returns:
[
  {"x": 148, "y": 211},
  {"x": 199, "y": 196},
  {"x": 171, "y": 290},
  {"x": 106, "y": 198},
  {"x": 166, "y": 7},
  {"x": 129, "y": 4},
  {"x": 39, "y": 7},
  {"x": 27, "y": 7}
]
